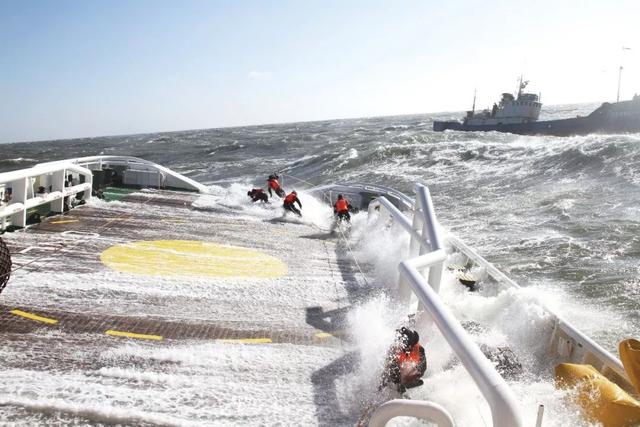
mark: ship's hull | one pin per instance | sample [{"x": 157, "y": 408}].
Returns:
[{"x": 621, "y": 117}]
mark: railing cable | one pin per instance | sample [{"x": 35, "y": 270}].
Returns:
[{"x": 344, "y": 237}]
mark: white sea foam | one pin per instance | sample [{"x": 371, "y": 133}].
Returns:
[
  {"x": 95, "y": 413},
  {"x": 512, "y": 317}
]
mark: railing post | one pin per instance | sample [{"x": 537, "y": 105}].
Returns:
[
  {"x": 57, "y": 184},
  {"x": 414, "y": 246},
  {"x": 404, "y": 291},
  {"x": 19, "y": 195},
  {"x": 430, "y": 226}
]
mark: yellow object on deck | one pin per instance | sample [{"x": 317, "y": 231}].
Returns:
[
  {"x": 601, "y": 400},
  {"x": 191, "y": 258},
  {"x": 133, "y": 335},
  {"x": 34, "y": 317},
  {"x": 630, "y": 356}
]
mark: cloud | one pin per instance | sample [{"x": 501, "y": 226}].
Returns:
[{"x": 258, "y": 75}]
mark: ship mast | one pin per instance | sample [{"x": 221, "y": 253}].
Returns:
[
  {"x": 520, "y": 86},
  {"x": 620, "y": 73},
  {"x": 473, "y": 108},
  {"x": 619, "y": 78}
]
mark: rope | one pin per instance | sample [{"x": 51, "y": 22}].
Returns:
[
  {"x": 366, "y": 282},
  {"x": 344, "y": 237}
]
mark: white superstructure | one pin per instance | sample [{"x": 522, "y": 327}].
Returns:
[{"x": 522, "y": 108}]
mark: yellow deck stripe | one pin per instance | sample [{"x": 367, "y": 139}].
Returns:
[
  {"x": 248, "y": 341},
  {"x": 64, "y": 221},
  {"x": 323, "y": 335},
  {"x": 133, "y": 335},
  {"x": 34, "y": 317}
]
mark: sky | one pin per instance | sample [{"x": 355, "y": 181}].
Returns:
[{"x": 87, "y": 68}]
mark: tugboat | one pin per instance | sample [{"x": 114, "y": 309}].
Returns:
[{"x": 519, "y": 115}]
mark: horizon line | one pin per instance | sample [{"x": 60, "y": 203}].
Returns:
[{"x": 245, "y": 126}]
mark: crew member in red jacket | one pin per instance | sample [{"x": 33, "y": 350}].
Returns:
[
  {"x": 289, "y": 203},
  {"x": 342, "y": 208},
  {"x": 406, "y": 361},
  {"x": 275, "y": 186}
]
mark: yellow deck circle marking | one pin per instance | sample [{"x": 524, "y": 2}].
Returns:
[{"x": 191, "y": 258}]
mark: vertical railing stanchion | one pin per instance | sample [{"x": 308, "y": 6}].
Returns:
[
  {"x": 404, "y": 291},
  {"x": 414, "y": 244},
  {"x": 431, "y": 226}
]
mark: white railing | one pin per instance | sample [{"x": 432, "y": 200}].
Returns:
[
  {"x": 165, "y": 176},
  {"x": 18, "y": 190},
  {"x": 502, "y": 402},
  {"x": 567, "y": 342},
  {"x": 428, "y": 411}
]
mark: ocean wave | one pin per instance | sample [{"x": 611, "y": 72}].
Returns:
[{"x": 20, "y": 160}]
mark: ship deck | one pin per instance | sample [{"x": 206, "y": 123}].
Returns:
[{"x": 149, "y": 311}]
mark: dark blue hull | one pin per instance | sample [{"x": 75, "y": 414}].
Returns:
[{"x": 620, "y": 117}]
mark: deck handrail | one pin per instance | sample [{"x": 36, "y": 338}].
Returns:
[
  {"x": 128, "y": 161},
  {"x": 501, "y": 399},
  {"x": 24, "y": 197},
  {"x": 607, "y": 359}
]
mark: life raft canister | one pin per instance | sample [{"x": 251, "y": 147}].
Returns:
[
  {"x": 274, "y": 184},
  {"x": 342, "y": 206},
  {"x": 289, "y": 199}
]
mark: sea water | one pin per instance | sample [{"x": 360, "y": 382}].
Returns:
[{"x": 559, "y": 215}]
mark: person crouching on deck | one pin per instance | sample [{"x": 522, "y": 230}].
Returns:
[
  {"x": 342, "y": 208},
  {"x": 258, "y": 194},
  {"x": 275, "y": 186},
  {"x": 406, "y": 361},
  {"x": 289, "y": 203}
]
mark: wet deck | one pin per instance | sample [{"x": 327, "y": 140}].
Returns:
[{"x": 63, "y": 300}]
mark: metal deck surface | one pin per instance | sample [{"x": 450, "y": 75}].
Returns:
[{"x": 86, "y": 344}]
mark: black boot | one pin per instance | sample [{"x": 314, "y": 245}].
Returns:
[{"x": 416, "y": 383}]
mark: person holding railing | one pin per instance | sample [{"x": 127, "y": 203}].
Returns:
[
  {"x": 341, "y": 208},
  {"x": 406, "y": 361},
  {"x": 275, "y": 186},
  {"x": 289, "y": 201}
]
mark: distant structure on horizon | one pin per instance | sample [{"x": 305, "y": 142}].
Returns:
[{"x": 519, "y": 114}]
